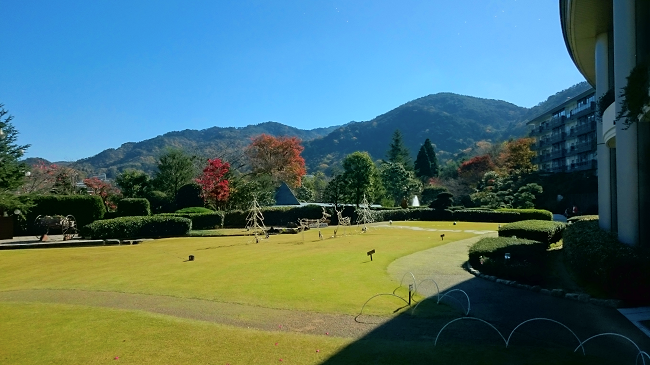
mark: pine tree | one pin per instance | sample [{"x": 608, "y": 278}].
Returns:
[
  {"x": 432, "y": 157},
  {"x": 423, "y": 165},
  {"x": 12, "y": 172},
  {"x": 398, "y": 153}
]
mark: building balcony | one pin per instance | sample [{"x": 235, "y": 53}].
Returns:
[
  {"x": 540, "y": 145},
  {"x": 583, "y": 129},
  {"x": 557, "y": 122},
  {"x": 555, "y": 169},
  {"x": 582, "y": 110},
  {"x": 583, "y": 165},
  {"x": 538, "y": 131},
  {"x": 581, "y": 148},
  {"x": 555, "y": 138},
  {"x": 557, "y": 154}
]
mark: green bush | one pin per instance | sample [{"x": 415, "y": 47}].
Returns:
[
  {"x": 600, "y": 260},
  {"x": 211, "y": 220},
  {"x": 578, "y": 218},
  {"x": 280, "y": 216},
  {"x": 137, "y": 227},
  {"x": 542, "y": 231},
  {"x": 132, "y": 207},
  {"x": 526, "y": 262},
  {"x": 85, "y": 208},
  {"x": 529, "y": 214},
  {"x": 467, "y": 215},
  {"x": 195, "y": 210}
]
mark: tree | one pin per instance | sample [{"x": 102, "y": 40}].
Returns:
[
  {"x": 517, "y": 155},
  {"x": 243, "y": 189},
  {"x": 433, "y": 160},
  {"x": 426, "y": 163},
  {"x": 12, "y": 171},
  {"x": 213, "y": 182},
  {"x": 399, "y": 183},
  {"x": 278, "y": 157},
  {"x": 360, "y": 176},
  {"x": 335, "y": 191},
  {"x": 105, "y": 190},
  {"x": 398, "y": 153},
  {"x": 473, "y": 170},
  {"x": 133, "y": 183},
  {"x": 315, "y": 183},
  {"x": 175, "y": 169}
]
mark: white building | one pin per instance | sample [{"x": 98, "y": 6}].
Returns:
[{"x": 607, "y": 39}]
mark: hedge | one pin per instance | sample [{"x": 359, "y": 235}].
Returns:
[
  {"x": 85, "y": 208},
  {"x": 526, "y": 262},
  {"x": 195, "y": 210},
  {"x": 137, "y": 227},
  {"x": 599, "y": 259},
  {"x": 582, "y": 218},
  {"x": 210, "y": 220},
  {"x": 536, "y": 230},
  {"x": 132, "y": 207},
  {"x": 529, "y": 214},
  {"x": 279, "y": 216}
]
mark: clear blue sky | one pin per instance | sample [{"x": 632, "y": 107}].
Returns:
[{"x": 83, "y": 76}]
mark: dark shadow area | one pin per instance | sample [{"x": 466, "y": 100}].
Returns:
[{"x": 409, "y": 338}]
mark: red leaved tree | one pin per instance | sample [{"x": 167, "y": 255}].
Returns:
[
  {"x": 278, "y": 157},
  {"x": 104, "y": 189},
  {"x": 472, "y": 171},
  {"x": 214, "y": 187}
]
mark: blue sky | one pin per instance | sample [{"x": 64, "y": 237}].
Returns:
[{"x": 83, "y": 76}]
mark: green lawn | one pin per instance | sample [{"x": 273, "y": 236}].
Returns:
[
  {"x": 65, "y": 334},
  {"x": 331, "y": 275}
]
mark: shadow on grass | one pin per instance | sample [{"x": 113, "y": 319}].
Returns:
[{"x": 410, "y": 338}]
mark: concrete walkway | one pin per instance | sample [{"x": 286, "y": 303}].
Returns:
[{"x": 506, "y": 307}]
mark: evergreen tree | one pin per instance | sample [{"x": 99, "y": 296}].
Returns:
[
  {"x": 423, "y": 165},
  {"x": 398, "y": 153},
  {"x": 12, "y": 172},
  {"x": 426, "y": 163},
  {"x": 432, "y": 157}
]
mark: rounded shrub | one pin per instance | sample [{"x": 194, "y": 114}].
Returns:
[
  {"x": 525, "y": 262},
  {"x": 543, "y": 231},
  {"x": 194, "y": 210},
  {"x": 133, "y": 207},
  {"x": 137, "y": 227},
  {"x": 200, "y": 221}
]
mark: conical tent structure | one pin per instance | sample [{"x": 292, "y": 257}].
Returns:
[{"x": 284, "y": 196}]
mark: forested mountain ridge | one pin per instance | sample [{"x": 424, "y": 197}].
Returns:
[{"x": 454, "y": 123}]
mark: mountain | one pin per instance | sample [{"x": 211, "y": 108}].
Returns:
[
  {"x": 226, "y": 142},
  {"x": 454, "y": 123}
]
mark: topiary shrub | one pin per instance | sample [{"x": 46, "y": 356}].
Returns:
[
  {"x": 211, "y": 220},
  {"x": 133, "y": 207},
  {"x": 467, "y": 215},
  {"x": 529, "y": 214},
  {"x": 194, "y": 210},
  {"x": 526, "y": 261},
  {"x": 137, "y": 227},
  {"x": 189, "y": 195},
  {"x": 542, "y": 231},
  {"x": 85, "y": 208},
  {"x": 578, "y": 218},
  {"x": 604, "y": 263}
]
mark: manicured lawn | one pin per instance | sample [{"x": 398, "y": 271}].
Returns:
[
  {"x": 33, "y": 333},
  {"x": 331, "y": 275}
]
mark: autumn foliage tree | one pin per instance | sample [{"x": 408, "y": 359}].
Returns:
[
  {"x": 278, "y": 157},
  {"x": 472, "y": 171},
  {"x": 105, "y": 190},
  {"x": 214, "y": 186},
  {"x": 517, "y": 155}
]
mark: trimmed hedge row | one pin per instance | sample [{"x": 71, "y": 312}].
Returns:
[
  {"x": 526, "y": 262},
  {"x": 211, "y": 220},
  {"x": 133, "y": 207},
  {"x": 195, "y": 210},
  {"x": 599, "y": 259},
  {"x": 277, "y": 216},
  {"x": 85, "y": 208},
  {"x": 536, "y": 230},
  {"x": 531, "y": 214},
  {"x": 137, "y": 227},
  {"x": 582, "y": 218}
]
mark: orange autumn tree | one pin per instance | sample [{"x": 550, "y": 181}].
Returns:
[
  {"x": 471, "y": 172},
  {"x": 278, "y": 157},
  {"x": 517, "y": 155}
]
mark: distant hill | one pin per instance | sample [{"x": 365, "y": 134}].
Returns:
[
  {"x": 454, "y": 123},
  {"x": 226, "y": 142}
]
